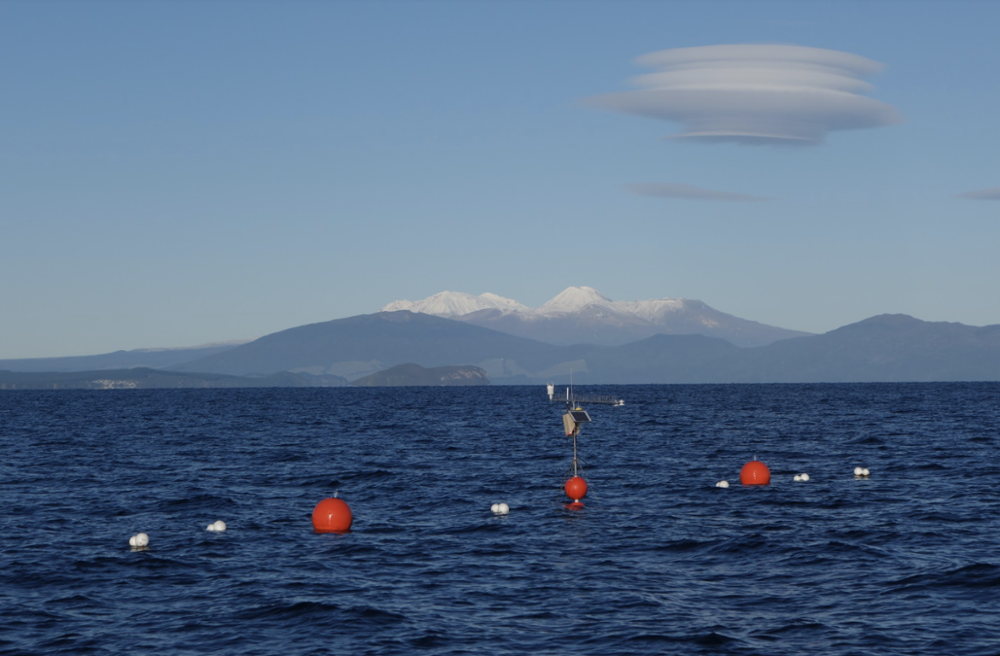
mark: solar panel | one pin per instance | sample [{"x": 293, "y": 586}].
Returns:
[{"x": 580, "y": 416}]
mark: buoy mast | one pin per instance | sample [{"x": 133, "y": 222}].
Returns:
[{"x": 576, "y": 486}]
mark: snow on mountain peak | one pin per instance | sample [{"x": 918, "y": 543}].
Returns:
[
  {"x": 501, "y": 303},
  {"x": 654, "y": 309},
  {"x": 571, "y": 300},
  {"x": 455, "y": 304},
  {"x": 574, "y": 299}
]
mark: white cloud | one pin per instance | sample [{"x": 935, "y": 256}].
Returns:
[
  {"x": 756, "y": 94},
  {"x": 675, "y": 190},
  {"x": 983, "y": 194}
]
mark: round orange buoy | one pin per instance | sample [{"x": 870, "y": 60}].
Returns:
[
  {"x": 755, "y": 473},
  {"x": 576, "y": 488},
  {"x": 332, "y": 516}
]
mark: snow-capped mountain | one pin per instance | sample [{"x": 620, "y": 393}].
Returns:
[
  {"x": 455, "y": 304},
  {"x": 584, "y": 315},
  {"x": 575, "y": 299}
]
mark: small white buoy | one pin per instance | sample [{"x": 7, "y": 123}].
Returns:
[
  {"x": 502, "y": 508},
  {"x": 861, "y": 472},
  {"x": 722, "y": 484},
  {"x": 797, "y": 477},
  {"x": 804, "y": 477},
  {"x": 139, "y": 540},
  {"x": 217, "y": 527},
  {"x": 865, "y": 472},
  {"x": 857, "y": 471},
  {"x": 495, "y": 508}
]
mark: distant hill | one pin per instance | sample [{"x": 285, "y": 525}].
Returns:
[
  {"x": 885, "y": 348},
  {"x": 152, "y": 358},
  {"x": 582, "y": 315},
  {"x": 362, "y": 345},
  {"x": 144, "y": 378},
  {"x": 660, "y": 359},
  {"x": 414, "y": 375}
]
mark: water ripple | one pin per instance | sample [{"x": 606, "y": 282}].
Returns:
[{"x": 659, "y": 561}]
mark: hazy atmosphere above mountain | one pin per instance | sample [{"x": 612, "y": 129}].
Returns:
[{"x": 184, "y": 173}]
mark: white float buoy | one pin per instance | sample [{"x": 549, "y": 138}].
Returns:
[
  {"x": 797, "y": 477},
  {"x": 861, "y": 472},
  {"x": 139, "y": 540},
  {"x": 217, "y": 527},
  {"x": 495, "y": 508},
  {"x": 804, "y": 477},
  {"x": 722, "y": 484},
  {"x": 865, "y": 472},
  {"x": 503, "y": 508},
  {"x": 857, "y": 471}
]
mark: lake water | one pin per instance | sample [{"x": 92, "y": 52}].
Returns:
[{"x": 660, "y": 561}]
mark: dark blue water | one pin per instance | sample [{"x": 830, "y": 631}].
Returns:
[{"x": 659, "y": 562}]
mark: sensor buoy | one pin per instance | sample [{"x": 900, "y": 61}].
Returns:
[
  {"x": 217, "y": 527},
  {"x": 575, "y": 488},
  {"x": 500, "y": 508},
  {"x": 139, "y": 541},
  {"x": 755, "y": 473},
  {"x": 332, "y": 516}
]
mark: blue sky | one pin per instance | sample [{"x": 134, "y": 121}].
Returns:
[{"x": 179, "y": 173}]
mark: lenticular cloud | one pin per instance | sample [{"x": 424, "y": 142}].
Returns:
[{"x": 757, "y": 94}]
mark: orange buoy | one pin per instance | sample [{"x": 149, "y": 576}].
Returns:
[
  {"x": 755, "y": 473},
  {"x": 332, "y": 516},
  {"x": 576, "y": 488}
]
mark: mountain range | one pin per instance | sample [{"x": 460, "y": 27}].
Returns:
[
  {"x": 885, "y": 348},
  {"x": 146, "y": 378},
  {"x": 889, "y": 348},
  {"x": 153, "y": 358},
  {"x": 582, "y": 315}
]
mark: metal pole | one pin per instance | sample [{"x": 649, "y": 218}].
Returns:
[{"x": 574, "y": 451}]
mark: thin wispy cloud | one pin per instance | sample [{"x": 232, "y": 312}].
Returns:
[
  {"x": 755, "y": 94},
  {"x": 983, "y": 194},
  {"x": 689, "y": 192}
]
